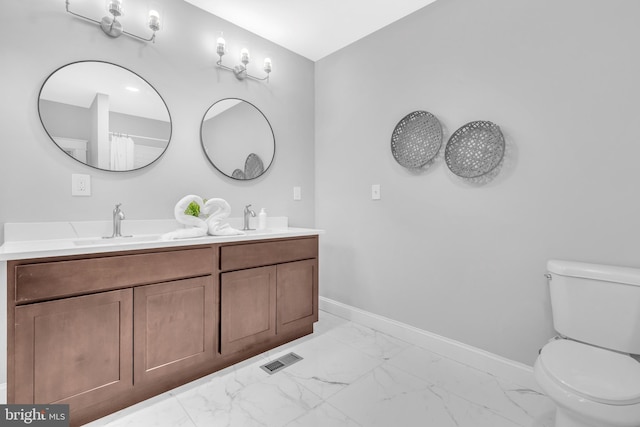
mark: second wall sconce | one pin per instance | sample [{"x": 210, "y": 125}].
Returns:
[
  {"x": 240, "y": 71},
  {"x": 113, "y": 28}
]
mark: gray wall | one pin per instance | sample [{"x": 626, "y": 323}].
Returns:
[
  {"x": 65, "y": 120},
  {"x": 39, "y": 36},
  {"x": 466, "y": 260}
]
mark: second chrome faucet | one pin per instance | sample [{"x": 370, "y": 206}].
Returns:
[{"x": 247, "y": 214}]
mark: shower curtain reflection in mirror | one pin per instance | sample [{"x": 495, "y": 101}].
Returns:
[{"x": 122, "y": 153}]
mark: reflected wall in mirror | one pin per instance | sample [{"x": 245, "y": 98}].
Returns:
[
  {"x": 238, "y": 139},
  {"x": 104, "y": 116}
]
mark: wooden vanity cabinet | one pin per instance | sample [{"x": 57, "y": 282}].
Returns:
[
  {"x": 297, "y": 295},
  {"x": 272, "y": 291},
  {"x": 146, "y": 322},
  {"x": 248, "y": 308},
  {"x": 101, "y": 332},
  {"x": 174, "y": 328},
  {"x": 75, "y": 350}
]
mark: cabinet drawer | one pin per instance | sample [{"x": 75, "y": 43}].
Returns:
[
  {"x": 36, "y": 282},
  {"x": 236, "y": 257}
]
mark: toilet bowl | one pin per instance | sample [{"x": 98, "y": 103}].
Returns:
[
  {"x": 591, "y": 386},
  {"x": 589, "y": 373}
]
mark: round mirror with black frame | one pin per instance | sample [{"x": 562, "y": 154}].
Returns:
[
  {"x": 237, "y": 139},
  {"x": 104, "y": 115}
]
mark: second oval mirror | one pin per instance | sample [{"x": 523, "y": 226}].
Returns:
[{"x": 238, "y": 139}]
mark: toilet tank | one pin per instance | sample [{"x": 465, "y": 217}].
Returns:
[{"x": 596, "y": 304}]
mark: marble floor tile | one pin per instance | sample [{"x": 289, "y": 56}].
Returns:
[
  {"x": 247, "y": 397},
  {"x": 323, "y": 415},
  {"x": 369, "y": 341},
  {"x": 389, "y": 396},
  {"x": 350, "y": 376},
  {"x": 164, "y": 411},
  {"x": 329, "y": 365},
  {"x": 519, "y": 404}
]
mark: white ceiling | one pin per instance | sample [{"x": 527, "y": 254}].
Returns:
[{"x": 311, "y": 28}]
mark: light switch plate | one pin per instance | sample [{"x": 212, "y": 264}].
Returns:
[
  {"x": 80, "y": 184},
  {"x": 375, "y": 192},
  {"x": 297, "y": 193}
]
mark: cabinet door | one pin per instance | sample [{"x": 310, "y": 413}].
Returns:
[
  {"x": 247, "y": 308},
  {"x": 76, "y": 351},
  {"x": 297, "y": 295},
  {"x": 174, "y": 327}
]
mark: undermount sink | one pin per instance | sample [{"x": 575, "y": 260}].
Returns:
[
  {"x": 116, "y": 240},
  {"x": 254, "y": 232}
]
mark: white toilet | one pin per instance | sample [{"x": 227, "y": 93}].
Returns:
[{"x": 588, "y": 372}]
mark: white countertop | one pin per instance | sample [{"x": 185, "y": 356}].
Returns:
[{"x": 40, "y": 240}]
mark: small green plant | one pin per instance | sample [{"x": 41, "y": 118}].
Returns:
[{"x": 193, "y": 209}]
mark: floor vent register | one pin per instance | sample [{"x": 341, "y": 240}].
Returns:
[{"x": 281, "y": 363}]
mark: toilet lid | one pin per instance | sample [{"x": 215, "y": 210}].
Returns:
[{"x": 597, "y": 374}]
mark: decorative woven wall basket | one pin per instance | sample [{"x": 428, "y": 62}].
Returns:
[
  {"x": 238, "y": 174},
  {"x": 416, "y": 139},
  {"x": 475, "y": 149},
  {"x": 253, "y": 166}
]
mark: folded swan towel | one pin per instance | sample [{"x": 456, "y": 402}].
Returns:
[
  {"x": 196, "y": 227},
  {"x": 218, "y": 210}
]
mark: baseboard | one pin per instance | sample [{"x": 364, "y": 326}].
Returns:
[{"x": 499, "y": 366}]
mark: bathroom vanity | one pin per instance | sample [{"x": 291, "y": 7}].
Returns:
[{"x": 103, "y": 327}]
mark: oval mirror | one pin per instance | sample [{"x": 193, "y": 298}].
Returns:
[
  {"x": 104, "y": 116},
  {"x": 238, "y": 139}
]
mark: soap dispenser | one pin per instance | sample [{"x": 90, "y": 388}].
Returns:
[{"x": 262, "y": 220}]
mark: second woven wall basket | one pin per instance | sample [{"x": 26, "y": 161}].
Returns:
[{"x": 475, "y": 149}]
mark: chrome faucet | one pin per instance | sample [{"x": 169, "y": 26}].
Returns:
[
  {"x": 118, "y": 216},
  {"x": 247, "y": 212}
]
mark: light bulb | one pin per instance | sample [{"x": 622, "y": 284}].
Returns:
[
  {"x": 244, "y": 56},
  {"x": 267, "y": 65},
  {"x": 154, "y": 20},
  {"x": 220, "y": 46},
  {"x": 115, "y": 7}
]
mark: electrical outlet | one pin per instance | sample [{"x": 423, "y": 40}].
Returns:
[
  {"x": 375, "y": 192},
  {"x": 80, "y": 185},
  {"x": 297, "y": 193}
]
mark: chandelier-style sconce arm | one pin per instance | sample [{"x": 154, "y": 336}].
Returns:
[
  {"x": 240, "y": 70},
  {"x": 113, "y": 28}
]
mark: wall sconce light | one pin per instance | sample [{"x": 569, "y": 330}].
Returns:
[
  {"x": 113, "y": 28},
  {"x": 240, "y": 71}
]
